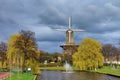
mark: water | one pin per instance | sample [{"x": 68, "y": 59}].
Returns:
[{"x": 59, "y": 75}]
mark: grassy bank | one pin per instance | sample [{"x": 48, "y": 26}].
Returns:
[
  {"x": 105, "y": 69},
  {"x": 108, "y": 70},
  {"x": 21, "y": 76},
  {"x": 52, "y": 68},
  {"x": 56, "y": 68}
]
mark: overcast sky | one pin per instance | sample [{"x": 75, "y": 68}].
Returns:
[{"x": 100, "y": 19}]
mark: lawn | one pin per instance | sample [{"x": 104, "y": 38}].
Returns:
[
  {"x": 21, "y": 76},
  {"x": 56, "y": 68},
  {"x": 52, "y": 68},
  {"x": 108, "y": 70}
]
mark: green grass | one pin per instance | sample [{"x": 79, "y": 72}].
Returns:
[
  {"x": 56, "y": 68},
  {"x": 108, "y": 70},
  {"x": 52, "y": 68},
  {"x": 21, "y": 76}
]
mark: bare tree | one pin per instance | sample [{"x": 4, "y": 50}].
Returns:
[
  {"x": 109, "y": 51},
  {"x": 3, "y": 49}
]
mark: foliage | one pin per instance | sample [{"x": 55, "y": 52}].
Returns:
[
  {"x": 88, "y": 55},
  {"x": 34, "y": 64},
  {"x": 67, "y": 57},
  {"x": 109, "y": 50},
  {"x": 45, "y": 56},
  {"x": 53, "y": 57},
  {"x": 3, "y": 58},
  {"x": 22, "y": 49},
  {"x": 50, "y": 64},
  {"x": 12, "y": 52}
]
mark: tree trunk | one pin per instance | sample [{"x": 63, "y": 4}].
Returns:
[
  {"x": 2, "y": 64},
  {"x": 23, "y": 65}
]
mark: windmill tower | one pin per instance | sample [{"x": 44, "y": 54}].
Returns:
[{"x": 70, "y": 47}]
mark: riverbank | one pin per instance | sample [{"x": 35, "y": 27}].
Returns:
[
  {"x": 28, "y": 76},
  {"x": 106, "y": 70}
]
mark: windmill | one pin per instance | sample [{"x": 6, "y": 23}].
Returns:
[{"x": 70, "y": 46}]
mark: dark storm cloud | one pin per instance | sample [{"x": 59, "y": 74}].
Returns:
[
  {"x": 45, "y": 33},
  {"x": 50, "y": 46},
  {"x": 100, "y": 19}
]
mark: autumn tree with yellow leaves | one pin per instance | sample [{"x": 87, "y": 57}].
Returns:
[
  {"x": 89, "y": 55},
  {"x": 22, "y": 49}
]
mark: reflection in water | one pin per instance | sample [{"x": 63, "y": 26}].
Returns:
[{"x": 59, "y": 75}]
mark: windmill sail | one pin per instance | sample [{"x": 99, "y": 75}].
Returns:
[
  {"x": 70, "y": 22},
  {"x": 69, "y": 32},
  {"x": 70, "y": 47}
]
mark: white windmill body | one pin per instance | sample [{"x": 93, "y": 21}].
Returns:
[{"x": 70, "y": 46}]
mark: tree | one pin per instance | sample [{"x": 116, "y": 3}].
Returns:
[
  {"x": 67, "y": 57},
  {"x": 45, "y": 56},
  {"x": 55, "y": 56},
  {"x": 23, "y": 47},
  {"x": 89, "y": 55},
  {"x": 12, "y": 51},
  {"x": 34, "y": 63},
  {"x": 3, "y": 49},
  {"x": 109, "y": 51}
]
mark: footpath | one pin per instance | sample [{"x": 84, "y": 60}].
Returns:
[{"x": 4, "y": 75}]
